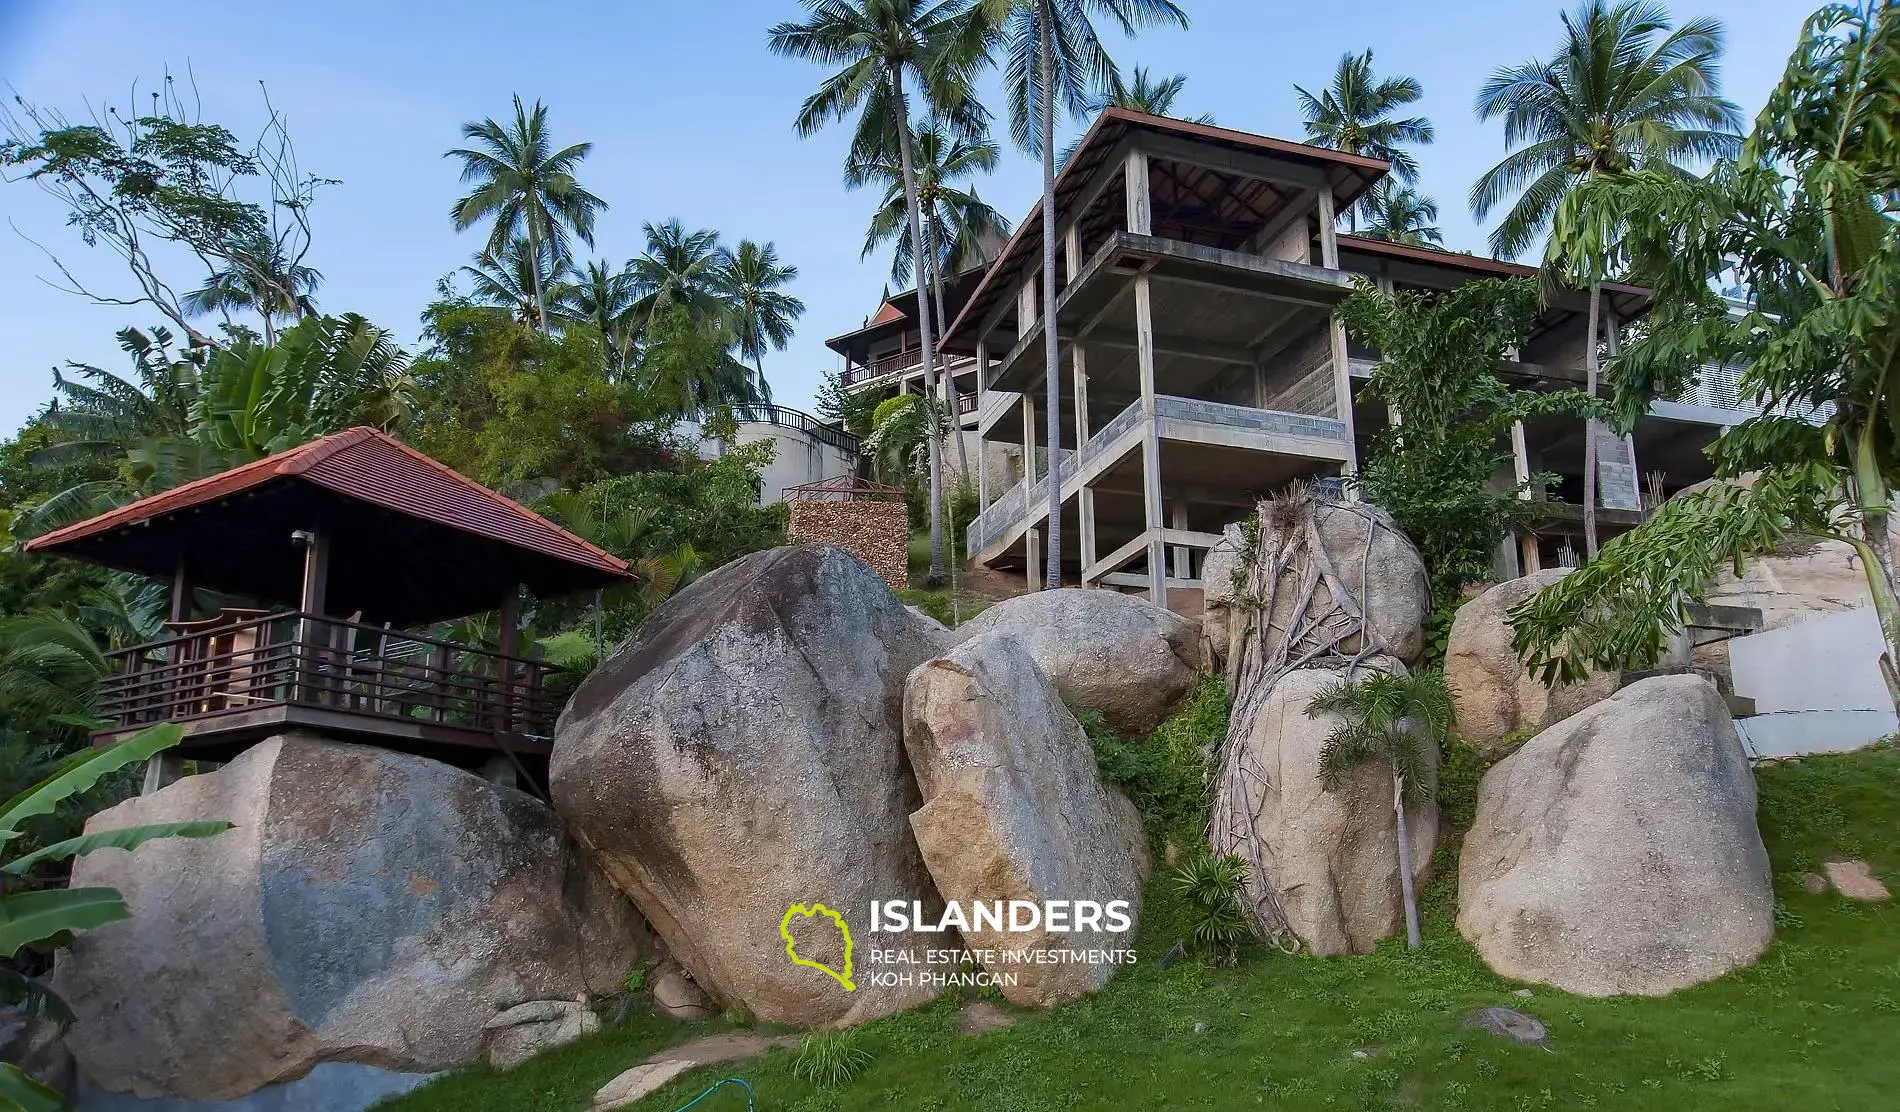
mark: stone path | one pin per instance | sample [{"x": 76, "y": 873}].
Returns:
[{"x": 665, "y": 1065}]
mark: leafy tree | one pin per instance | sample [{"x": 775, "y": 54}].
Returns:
[
  {"x": 762, "y": 313},
  {"x": 45, "y": 919},
  {"x": 1393, "y": 719},
  {"x": 1434, "y": 469},
  {"x": 1355, "y": 114},
  {"x": 901, "y": 433},
  {"x": 1612, "y": 98},
  {"x": 507, "y": 404},
  {"x": 1054, "y": 55},
  {"x": 881, "y": 46},
  {"x": 688, "y": 368},
  {"x": 1401, "y": 216},
  {"x": 1805, "y": 217},
  {"x": 525, "y": 189},
  {"x": 1623, "y": 91},
  {"x": 851, "y": 410},
  {"x": 160, "y": 185}
]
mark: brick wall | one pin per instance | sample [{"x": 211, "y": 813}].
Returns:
[{"x": 877, "y": 532}]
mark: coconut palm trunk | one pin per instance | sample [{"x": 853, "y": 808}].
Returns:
[
  {"x": 1051, "y": 353},
  {"x": 1590, "y": 426},
  {"x": 1406, "y": 888},
  {"x": 926, "y": 337},
  {"x": 534, "y": 272},
  {"x": 935, "y": 269}
]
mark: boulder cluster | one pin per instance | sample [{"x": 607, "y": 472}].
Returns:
[{"x": 785, "y": 753}]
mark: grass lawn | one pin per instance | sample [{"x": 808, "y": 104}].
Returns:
[{"x": 1813, "y": 1026}]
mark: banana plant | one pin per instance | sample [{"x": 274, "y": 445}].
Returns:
[{"x": 48, "y": 918}]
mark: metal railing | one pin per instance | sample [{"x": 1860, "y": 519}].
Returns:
[
  {"x": 902, "y": 363},
  {"x": 307, "y": 660},
  {"x": 786, "y": 417}
]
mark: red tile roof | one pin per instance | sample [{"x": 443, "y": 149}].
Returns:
[{"x": 372, "y": 467}]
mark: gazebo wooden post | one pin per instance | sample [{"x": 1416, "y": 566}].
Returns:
[
  {"x": 163, "y": 768},
  {"x": 505, "y": 644},
  {"x": 311, "y": 637}
]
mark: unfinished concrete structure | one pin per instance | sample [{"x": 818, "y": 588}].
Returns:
[{"x": 1203, "y": 368}]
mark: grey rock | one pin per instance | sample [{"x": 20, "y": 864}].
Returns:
[
  {"x": 980, "y": 1017},
  {"x": 742, "y": 755},
  {"x": 1508, "y": 1023},
  {"x": 525, "y": 1030},
  {"x": 1813, "y": 883},
  {"x": 1014, "y": 809},
  {"x": 33, "y": 1044},
  {"x": 328, "y": 1087},
  {"x": 1380, "y": 569},
  {"x": 676, "y": 995},
  {"x": 368, "y": 907},
  {"x": 1335, "y": 854},
  {"x": 1122, "y": 656},
  {"x": 1493, "y": 694},
  {"x": 1617, "y": 851},
  {"x": 1217, "y": 595},
  {"x": 1853, "y": 879}
]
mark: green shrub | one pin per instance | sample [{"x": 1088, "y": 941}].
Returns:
[
  {"x": 830, "y": 1058},
  {"x": 1216, "y": 922},
  {"x": 1165, "y": 774}
]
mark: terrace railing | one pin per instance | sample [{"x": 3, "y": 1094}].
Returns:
[
  {"x": 786, "y": 417},
  {"x": 312, "y": 661}
]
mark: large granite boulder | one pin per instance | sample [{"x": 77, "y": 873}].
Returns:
[
  {"x": 1117, "y": 654},
  {"x": 1014, "y": 809},
  {"x": 1492, "y": 692},
  {"x": 741, "y": 755},
  {"x": 1334, "y": 857},
  {"x": 1218, "y": 590},
  {"x": 1617, "y": 852},
  {"x": 369, "y": 908},
  {"x": 1373, "y": 561}
]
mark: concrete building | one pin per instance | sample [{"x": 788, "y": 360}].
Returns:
[
  {"x": 806, "y": 450},
  {"x": 1203, "y": 369}
]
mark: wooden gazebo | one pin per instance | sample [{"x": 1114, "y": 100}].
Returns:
[{"x": 346, "y": 546}]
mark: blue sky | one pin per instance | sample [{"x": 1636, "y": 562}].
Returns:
[{"x": 690, "y": 116}]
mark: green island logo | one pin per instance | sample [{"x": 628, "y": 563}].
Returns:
[{"x": 791, "y": 947}]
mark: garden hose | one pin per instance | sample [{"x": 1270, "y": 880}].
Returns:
[{"x": 750, "y": 1097}]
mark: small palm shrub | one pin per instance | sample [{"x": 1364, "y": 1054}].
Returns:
[{"x": 1217, "y": 925}]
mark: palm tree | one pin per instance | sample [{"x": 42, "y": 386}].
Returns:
[
  {"x": 525, "y": 190},
  {"x": 1392, "y": 718},
  {"x": 679, "y": 269},
  {"x": 1053, "y": 54},
  {"x": 258, "y": 277},
  {"x": 1144, "y": 94},
  {"x": 605, "y": 298},
  {"x": 1355, "y": 113},
  {"x": 957, "y": 222},
  {"x": 1402, "y": 216},
  {"x": 879, "y": 47},
  {"x": 1623, "y": 92},
  {"x": 519, "y": 279},
  {"x": 686, "y": 366},
  {"x": 762, "y": 313}
]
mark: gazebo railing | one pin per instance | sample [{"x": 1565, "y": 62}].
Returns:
[{"x": 313, "y": 661}]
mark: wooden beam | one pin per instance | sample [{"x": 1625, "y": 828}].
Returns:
[
  {"x": 1194, "y": 152},
  {"x": 181, "y": 590},
  {"x": 1296, "y": 208},
  {"x": 316, "y": 571}
]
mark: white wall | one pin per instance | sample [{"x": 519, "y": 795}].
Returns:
[
  {"x": 797, "y": 459},
  {"x": 1816, "y": 685}
]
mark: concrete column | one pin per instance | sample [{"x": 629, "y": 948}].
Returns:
[
  {"x": 1029, "y": 439},
  {"x": 1072, "y": 252},
  {"x": 1342, "y": 370},
  {"x": 1140, "y": 221},
  {"x": 1032, "y": 553},
  {"x": 1085, "y": 498},
  {"x": 1178, "y": 519},
  {"x": 1616, "y": 457},
  {"x": 982, "y": 388},
  {"x": 1150, "y": 438},
  {"x": 1521, "y": 469}
]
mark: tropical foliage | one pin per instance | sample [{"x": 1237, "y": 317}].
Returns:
[
  {"x": 525, "y": 190},
  {"x": 1399, "y": 721},
  {"x": 1805, "y": 217},
  {"x": 1401, "y": 215},
  {"x": 37, "y": 918},
  {"x": 1356, "y": 114},
  {"x": 1433, "y": 468},
  {"x": 1624, "y": 91}
]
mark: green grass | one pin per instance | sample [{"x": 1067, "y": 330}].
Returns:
[{"x": 1811, "y": 1027}]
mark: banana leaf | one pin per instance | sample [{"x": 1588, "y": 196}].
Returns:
[
  {"x": 82, "y": 771},
  {"x": 129, "y": 837},
  {"x": 29, "y": 917},
  {"x": 17, "y": 1090}
]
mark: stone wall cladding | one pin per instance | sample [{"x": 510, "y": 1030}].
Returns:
[{"x": 875, "y": 531}]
